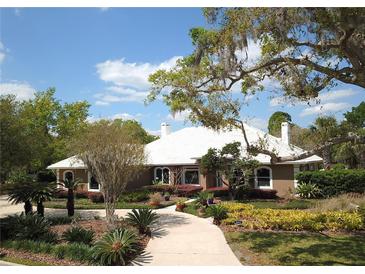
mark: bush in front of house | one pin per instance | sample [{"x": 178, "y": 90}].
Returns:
[
  {"x": 76, "y": 234},
  {"x": 335, "y": 182},
  {"x": 218, "y": 212},
  {"x": 29, "y": 227},
  {"x": 81, "y": 194},
  {"x": 160, "y": 188},
  {"x": 61, "y": 194},
  {"x": 135, "y": 196},
  {"x": 142, "y": 219},
  {"x": 308, "y": 190},
  {"x": 291, "y": 220},
  {"x": 248, "y": 192},
  {"x": 117, "y": 247},
  {"x": 96, "y": 197}
]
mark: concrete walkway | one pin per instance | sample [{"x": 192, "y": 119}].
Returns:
[{"x": 178, "y": 238}]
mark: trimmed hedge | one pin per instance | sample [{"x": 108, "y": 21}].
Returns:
[
  {"x": 335, "y": 182},
  {"x": 96, "y": 197}
]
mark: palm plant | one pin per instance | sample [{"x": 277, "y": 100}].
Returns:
[
  {"x": 20, "y": 189},
  {"x": 308, "y": 190},
  {"x": 142, "y": 219},
  {"x": 71, "y": 186},
  {"x": 43, "y": 191},
  {"x": 116, "y": 247},
  {"x": 218, "y": 212}
]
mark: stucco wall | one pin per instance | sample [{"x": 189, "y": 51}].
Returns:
[
  {"x": 283, "y": 178},
  {"x": 80, "y": 174},
  {"x": 145, "y": 178}
]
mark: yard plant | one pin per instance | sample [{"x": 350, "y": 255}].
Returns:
[
  {"x": 218, "y": 212},
  {"x": 77, "y": 234},
  {"x": 142, "y": 219}
]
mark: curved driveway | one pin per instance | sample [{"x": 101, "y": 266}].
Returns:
[{"x": 178, "y": 238}]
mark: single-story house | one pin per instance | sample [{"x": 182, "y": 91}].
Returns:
[{"x": 174, "y": 159}]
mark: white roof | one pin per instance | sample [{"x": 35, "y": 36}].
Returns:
[
  {"x": 186, "y": 145},
  {"x": 70, "y": 163}
]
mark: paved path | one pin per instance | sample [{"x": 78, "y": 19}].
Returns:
[{"x": 177, "y": 239}]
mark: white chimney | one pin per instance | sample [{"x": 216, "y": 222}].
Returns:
[
  {"x": 285, "y": 132},
  {"x": 165, "y": 129}
]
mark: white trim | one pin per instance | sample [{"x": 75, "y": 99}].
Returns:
[
  {"x": 296, "y": 170},
  {"x": 191, "y": 169},
  {"x": 256, "y": 182},
  {"x": 162, "y": 168},
  {"x": 88, "y": 183},
  {"x": 66, "y": 171}
]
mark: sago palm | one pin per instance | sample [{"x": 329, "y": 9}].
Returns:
[
  {"x": 116, "y": 247},
  {"x": 142, "y": 219},
  {"x": 71, "y": 186},
  {"x": 43, "y": 191}
]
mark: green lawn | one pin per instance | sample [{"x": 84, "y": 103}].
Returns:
[
  {"x": 87, "y": 204},
  {"x": 274, "y": 248},
  {"x": 23, "y": 261}
]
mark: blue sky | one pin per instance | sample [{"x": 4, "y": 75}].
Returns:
[{"x": 105, "y": 55}]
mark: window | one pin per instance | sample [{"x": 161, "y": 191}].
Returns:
[
  {"x": 162, "y": 174},
  {"x": 68, "y": 175},
  {"x": 93, "y": 184},
  {"x": 263, "y": 177},
  {"x": 191, "y": 176}
]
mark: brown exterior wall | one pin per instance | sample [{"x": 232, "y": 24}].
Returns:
[
  {"x": 283, "y": 178},
  {"x": 80, "y": 174},
  {"x": 145, "y": 178}
]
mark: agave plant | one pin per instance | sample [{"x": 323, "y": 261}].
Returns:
[
  {"x": 116, "y": 247},
  {"x": 308, "y": 190},
  {"x": 142, "y": 219},
  {"x": 218, "y": 212}
]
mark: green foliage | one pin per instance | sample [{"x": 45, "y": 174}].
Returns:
[
  {"x": 218, "y": 212},
  {"x": 76, "y": 234},
  {"x": 135, "y": 196},
  {"x": 356, "y": 117},
  {"x": 59, "y": 220},
  {"x": 29, "y": 226},
  {"x": 308, "y": 190},
  {"x": 335, "y": 182},
  {"x": 116, "y": 247},
  {"x": 275, "y": 121},
  {"x": 292, "y": 220},
  {"x": 136, "y": 131},
  {"x": 143, "y": 219}
]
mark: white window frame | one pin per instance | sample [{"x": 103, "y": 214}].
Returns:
[
  {"x": 162, "y": 168},
  {"x": 66, "y": 171},
  {"x": 256, "y": 179},
  {"x": 218, "y": 177},
  {"x": 88, "y": 183},
  {"x": 191, "y": 169}
]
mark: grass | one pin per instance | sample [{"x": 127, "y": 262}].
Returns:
[
  {"x": 23, "y": 261},
  {"x": 83, "y": 203},
  {"x": 273, "y": 248}
]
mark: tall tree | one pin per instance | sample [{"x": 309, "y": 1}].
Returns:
[
  {"x": 304, "y": 50},
  {"x": 274, "y": 125},
  {"x": 136, "y": 130},
  {"x": 113, "y": 157}
]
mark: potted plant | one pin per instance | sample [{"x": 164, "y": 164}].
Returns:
[
  {"x": 180, "y": 205},
  {"x": 155, "y": 199},
  {"x": 166, "y": 196},
  {"x": 210, "y": 198}
]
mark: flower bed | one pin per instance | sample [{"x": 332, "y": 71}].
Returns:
[{"x": 291, "y": 220}]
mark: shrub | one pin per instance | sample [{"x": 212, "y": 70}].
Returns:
[
  {"x": 142, "y": 219},
  {"x": 188, "y": 190},
  {"x": 247, "y": 192},
  {"x": 218, "y": 212},
  {"x": 61, "y": 194},
  {"x": 308, "y": 190},
  {"x": 335, "y": 182},
  {"x": 29, "y": 227},
  {"x": 203, "y": 197},
  {"x": 80, "y": 194},
  {"x": 76, "y": 234},
  {"x": 116, "y": 248},
  {"x": 160, "y": 188},
  {"x": 155, "y": 199},
  {"x": 291, "y": 220},
  {"x": 135, "y": 196},
  {"x": 96, "y": 197}
]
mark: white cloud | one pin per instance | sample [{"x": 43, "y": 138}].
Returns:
[
  {"x": 257, "y": 123},
  {"x": 104, "y": 9},
  {"x": 324, "y": 108},
  {"x": 123, "y": 116},
  {"x": 3, "y": 51},
  {"x": 22, "y": 91},
  {"x": 128, "y": 81},
  {"x": 154, "y": 132},
  {"x": 179, "y": 116}
]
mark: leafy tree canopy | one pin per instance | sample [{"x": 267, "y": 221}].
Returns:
[{"x": 274, "y": 126}]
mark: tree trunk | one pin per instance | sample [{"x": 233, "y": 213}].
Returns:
[
  {"x": 40, "y": 208},
  {"x": 109, "y": 209},
  {"x": 28, "y": 207},
  {"x": 70, "y": 203},
  {"x": 326, "y": 155}
]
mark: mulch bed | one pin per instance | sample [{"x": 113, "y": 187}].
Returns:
[{"x": 38, "y": 257}]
